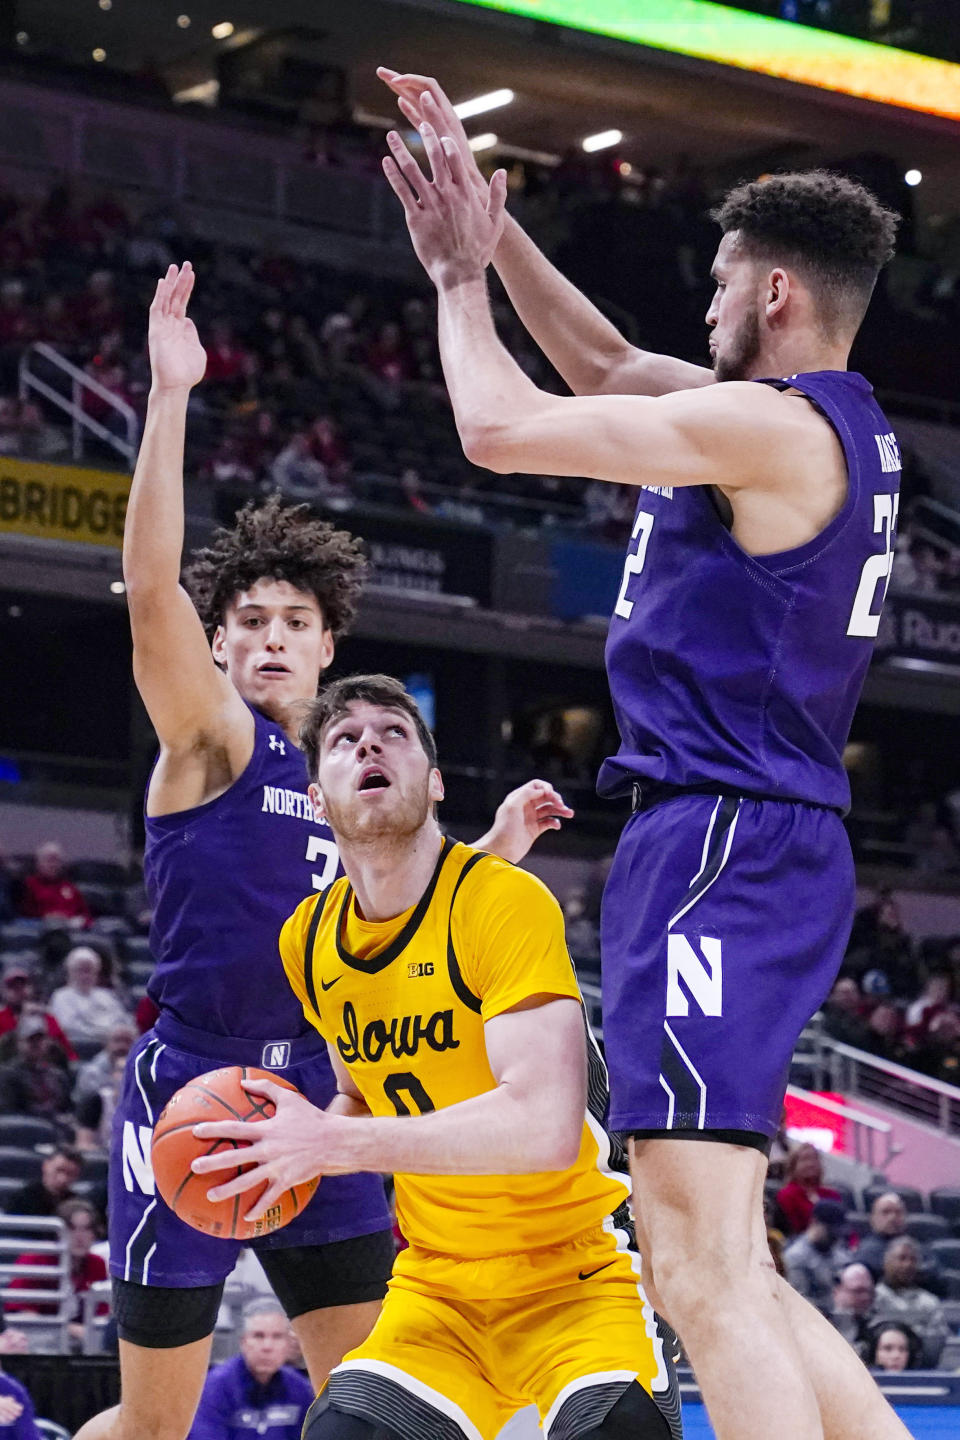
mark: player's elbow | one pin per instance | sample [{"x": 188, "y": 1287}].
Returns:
[
  {"x": 488, "y": 447},
  {"x": 559, "y": 1143}
]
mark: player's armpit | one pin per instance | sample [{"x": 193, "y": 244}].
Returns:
[{"x": 731, "y": 435}]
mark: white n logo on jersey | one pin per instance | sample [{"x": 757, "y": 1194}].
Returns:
[
  {"x": 137, "y": 1169},
  {"x": 706, "y": 986}
]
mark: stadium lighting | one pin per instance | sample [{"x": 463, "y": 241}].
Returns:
[
  {"x": 481, "y": 103},
  {"x": 486, "y": 141},
  {"x": 913, "y": 177},
  {"x": 99, "y": 54},
  {"x": 183, "y": 21},
  {"x": 22, "y": 37},
  {"x": 105, "y": 4},
  {"x": 602, "y": 141},
  {"x": 117, "y": 587},
  {"x": 223, "y": 31}
]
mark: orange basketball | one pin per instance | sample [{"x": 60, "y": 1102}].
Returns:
[{"x": 218, "y": 1095}]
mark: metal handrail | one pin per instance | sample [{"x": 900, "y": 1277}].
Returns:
[
  {"x": 865, "y": 1127},
  {"x": 17, "y": 1234},
  {"x": 860, "y": 1074},
  {"x": 80, "y": 383}
]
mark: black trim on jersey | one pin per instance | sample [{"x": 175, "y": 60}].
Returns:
[
  {"x": 726, "y": 814},
  {"x": 308, "y": 947},
  {"x": 464, "y": 994},
  {"x": 376, "y": 963}
]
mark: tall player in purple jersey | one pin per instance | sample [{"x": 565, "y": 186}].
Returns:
[
  {"x": 740, "y": 638},
  {"x": 233, "y": 845}
]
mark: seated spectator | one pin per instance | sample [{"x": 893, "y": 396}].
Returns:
[
  {"x": 327, "y": 446},
  {"x": 49, "y": 894},
  {"x": 86, "y": 1011},
  {"x": 884, "y": 1032},
  {"x": 97, "y": 1072},
  {"x": 94, "y": 1112},
  {"x": 843, "y": 1013},
  {"x": 888, "y": 1222},
  {"x": 882, "y": 943},
  {"x": 19, "y": 999},
  {"x": 32, "y": 1083},
  {"x": 899, "y": 1297},
  {"x": 939, "y": 1053},
  {"x": 894, "y": 1348},
  {"x": 933, "y": 999},
  {"x": 39, "y": 440},
  {"x": 17, "y": 1417},
  {"x": 803, "y": 1189},
  {"x": 853, "y": 1307},
  {"x": 272, "y": 1397},
  {"x": 86, "y": 1269},
  {"x": 59, "y": 1172},
  {"x": 297, "y": 474},
  {"x": 411, "y": 490},
  {"x": 814, "y": 1260}
]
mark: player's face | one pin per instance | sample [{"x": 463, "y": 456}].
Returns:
[
  {"x": 734, "y": 313},
  {"x": 274, "y": 645},
  {"x": 374, "y": 779},
  {"x": 265, "y": 1345}
]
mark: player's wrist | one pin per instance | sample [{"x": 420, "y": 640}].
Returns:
[{"x": 459, "y": 274}]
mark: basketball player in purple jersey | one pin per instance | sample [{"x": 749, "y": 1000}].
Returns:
[
  {"x": 761, "y": 550},
  {"x": 233, "y": 845}
]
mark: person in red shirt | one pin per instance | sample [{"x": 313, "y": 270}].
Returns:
[
  {"x": 48, "y": 892},
  {"x": 803, "y": 1189},
  {"x": 83, "y": 1227},
  {"x": 19, "y": 996}
]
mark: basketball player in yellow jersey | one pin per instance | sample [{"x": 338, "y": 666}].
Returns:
[{"x": 440, "y": 978}]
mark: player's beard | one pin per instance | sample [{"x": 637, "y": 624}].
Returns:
[
  {"x": 741, "y": 350},
  {"x": 355, "y": 822}
]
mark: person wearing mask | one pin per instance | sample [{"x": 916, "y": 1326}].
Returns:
[
  {"x": 256, "y": 1392},
  {"x": 814, "y": 1260}
]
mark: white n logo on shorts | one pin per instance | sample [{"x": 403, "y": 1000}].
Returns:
[
  {"x": 137, "y": 1169},
  {"x": 706, "y": 986}
]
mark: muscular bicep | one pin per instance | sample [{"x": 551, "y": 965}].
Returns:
[
  {"x": 187, "y": 697},
  {"x": 731, "y": 435},
  {"x": 538, "y": 1050}
]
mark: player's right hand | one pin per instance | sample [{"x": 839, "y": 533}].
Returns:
[
  {"x": 421, "y": 98},
  {"x": 177, "y": 359}
]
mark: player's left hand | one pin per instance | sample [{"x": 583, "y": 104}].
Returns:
[
  {"x": 453, "y": 230},
  {"x": 526, "y": 814},
  {"x": 295, "y": 1145}
]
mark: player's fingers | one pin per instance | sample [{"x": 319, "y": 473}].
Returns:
[
  {"x": 270, "y": 1196},
  {"x": 405, "y": 163},
  {"x": 451, "y": 151},
  {"x": 437, "y": 160},
  {"x": 497, "y": 195},
  {"x": 399, "y": 187},
  {"x": 227, "y": 1129},
  {"x": 182, "y": 290},
  {"x": 411, "y": 110},
  {"x": 270, "y": 1088},
  {"x": 247, "y": 1181}
]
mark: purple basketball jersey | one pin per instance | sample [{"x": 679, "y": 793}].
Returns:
[
  {"x": 222, "y": 878},
  {"x": 744, "y": 671}
]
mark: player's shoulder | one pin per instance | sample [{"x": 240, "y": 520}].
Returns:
[
  {"x": 298, "y": 923},
  {"x": 492, "y": 877}
]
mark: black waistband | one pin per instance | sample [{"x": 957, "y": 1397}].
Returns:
[{"x": 646, "y": 794}]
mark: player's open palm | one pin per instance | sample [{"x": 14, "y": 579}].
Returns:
[
  {"x": 177, "y": 359},
  {"x": 421, "y": 98}
]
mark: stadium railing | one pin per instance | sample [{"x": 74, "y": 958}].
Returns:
[
  {"x": 43, "y": 360},
  {"x": 868, "y": 1077},
  {"x": 37, "y": 1235}
]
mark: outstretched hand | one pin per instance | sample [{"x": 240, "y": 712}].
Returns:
[
  {"x": 454, "y": 229},
  {"x": 177, "y": 359},
  {"x": 422, "y": 98},
  {"x": 527, "y": 813}
]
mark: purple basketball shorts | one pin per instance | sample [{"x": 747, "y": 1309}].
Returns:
[
  {"x": 151, "y": 1245},
  {"x": 724, "y": 924}
]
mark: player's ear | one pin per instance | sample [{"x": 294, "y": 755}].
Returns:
[
  {"x": 316, "y": 800},
  {"x": 326, "y": 651},
  {"x": 435, "y": 790},
  {"x": 778, "y": 291},
  {"x": 219, "y": 647}
]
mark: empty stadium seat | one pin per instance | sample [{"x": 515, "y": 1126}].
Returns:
[
  {"x": 927, "y": 1228},
  {"x": 947, "y": 1252},
  {"x": 9, "y": 1185},
  {"x": 951, "y": 1279},
  {"x": 945, "y": 1201},
  {"x": 913, "y": 1199},
  {"x": 26, "y": 1131},
  {"x": 20, "y": 1164},
  {"x": 846, "y": 1192}
]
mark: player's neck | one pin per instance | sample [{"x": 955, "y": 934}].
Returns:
[
  {"x": 389, "y": 876},
  {"x": 799, "y": 354}
]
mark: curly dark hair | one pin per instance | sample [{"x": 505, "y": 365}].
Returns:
[
  {"x": 832, "y": 229},
  {"x": 334, "y": 701},
  {"x": 275, "y": 541}
]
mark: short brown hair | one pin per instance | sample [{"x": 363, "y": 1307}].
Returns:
[
  {"x": 334, "y": 702},
  {"x": 275, "y": 541},
  {"x": 834, "y": 230}
]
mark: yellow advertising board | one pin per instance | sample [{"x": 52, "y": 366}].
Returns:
[{"x": 62, "y": 502}]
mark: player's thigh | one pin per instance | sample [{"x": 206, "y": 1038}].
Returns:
[
  {"x": 325, "y": 1336},
  {"x": 419, "y": 1371}
]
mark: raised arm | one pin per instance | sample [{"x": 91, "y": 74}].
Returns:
[
  {"x": 205, "y": 730},
  {"x": 580, "y": 342}
]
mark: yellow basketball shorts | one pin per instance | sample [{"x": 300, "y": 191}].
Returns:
[{"x": 461, "y": 1345}]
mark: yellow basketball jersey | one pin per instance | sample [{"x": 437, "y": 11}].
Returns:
[{"x": 404, "y": 1003}]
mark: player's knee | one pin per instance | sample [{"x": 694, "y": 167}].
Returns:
[{"x": 325, "y": 1422}]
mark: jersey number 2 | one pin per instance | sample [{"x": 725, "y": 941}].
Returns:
[
  {"x": 634, "y": 562},
  {"x": 864, "y": 620}
]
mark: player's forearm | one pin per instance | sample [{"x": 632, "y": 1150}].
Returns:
[
  {"x": 350, "y": 1105},
  {"x": 498, "y": 1133},
  {"x": 153, "y": 531},
  {"x": 487, "y": 388},
  {"x": 580, "y": 342}
]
